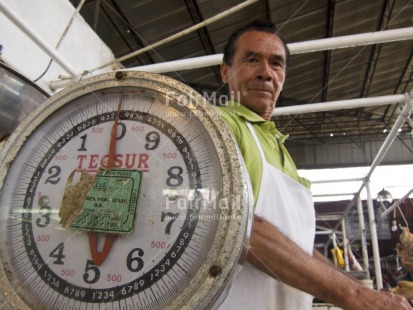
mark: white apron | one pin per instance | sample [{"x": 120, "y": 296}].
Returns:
[{"x": 288, "y": 205}]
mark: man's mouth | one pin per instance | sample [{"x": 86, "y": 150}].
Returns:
[{"x": 261, "y": 90}]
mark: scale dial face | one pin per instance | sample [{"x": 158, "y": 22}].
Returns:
[{"x": 125, "y": 190}]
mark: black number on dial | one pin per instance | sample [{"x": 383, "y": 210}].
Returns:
[
  {"x": 171, "y": 217},
  {"x": 122, "y": 132},
  {"x": 54, "y": 172},
  {"x": 135, "y": 263},
  {"x": 45, "y": 211},
  {"x": 175, "y": 178},
  {"x": 82, "y": 147},
  {"x": 153, "y": 139},
  {"x": 58, "y": 254},
  {"x": 92, "y": 277}
]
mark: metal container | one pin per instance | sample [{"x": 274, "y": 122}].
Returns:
[{"x": 18, "y": 98}]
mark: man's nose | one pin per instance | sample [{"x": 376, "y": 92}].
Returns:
[{"x": 264, "y": 71}]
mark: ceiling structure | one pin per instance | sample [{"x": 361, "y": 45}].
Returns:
[
  {"x": 348, "y": 73},
  {"x": 364, "y": 71}
]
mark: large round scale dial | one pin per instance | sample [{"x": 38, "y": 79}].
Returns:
[{"x": 123, "y": 191}]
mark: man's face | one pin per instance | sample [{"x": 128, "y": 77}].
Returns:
[{"x": 257, "y": 73}]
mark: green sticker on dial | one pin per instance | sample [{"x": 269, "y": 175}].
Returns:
[{"x": 111, "y": 204}]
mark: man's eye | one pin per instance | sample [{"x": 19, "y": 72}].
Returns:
[
  {"x": 277, "y": 64},
  {"x": 252, "y": 59}
]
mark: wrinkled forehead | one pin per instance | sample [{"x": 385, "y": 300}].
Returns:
[{"x": 261, "y": 43}]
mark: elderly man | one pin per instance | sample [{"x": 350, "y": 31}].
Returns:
[{"x": 283, "y": 271}]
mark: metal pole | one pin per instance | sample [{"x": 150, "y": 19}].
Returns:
[
  {"x": 182, "y": 64},
  {"x": 363, "y": 237},
  {"x": 333, "y": 236},
  {"x": 336, "y": 181},
  {"x": 393, "y": 133},
  {"x": 345, "y": 244},
  {"x": 180, "y": 34},
  {"x": 396, "y": 204},
  {"x": 334, "y": 195},
  {"x": 327, "y": 232},
  {"x": 374, "y": 239},
  {"x": 340, "y": 104},
  {"x": 294, "y": 48},
  {"x": 352, "y": 40},
  {"x": 23, "y": 26},
  {"x": 386, "y": 145}
]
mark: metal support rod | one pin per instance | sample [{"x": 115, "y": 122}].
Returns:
[
  {"x": 326, "y": 232},
  {"x": 385, "y": 146},
  {"x": 363, "y": 236},
  {"x": 36, "y": 38},
  {"x": 374, "y": 239},
  {"x": 180, "y": 34},
  {"x": 410, "y": 121},
  {"x": 396, "y": 204},
  {"x": 336, "y": 181},
  {"x": 62, "y": 83},
  {"x": 336, "y": 194},
  {"x": 345, "y": 244},
  {"x": 340, "y": 105},
  {"x": 294, "y": 48},
  {"x": 69, "y": 25},
  {"x": 392, "y": 134},
  {"x": 322, "y": 229},
  {"x": 182, "y": 64},
  {"x": 333, "y": 237},
  {"x": 369, "y": 38}
]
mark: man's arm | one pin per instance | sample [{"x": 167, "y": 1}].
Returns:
[
  {"x": 321, "y": 258},
  {"x": 275, "y": 254}
]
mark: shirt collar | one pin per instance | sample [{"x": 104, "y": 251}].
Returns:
[
  {"x": 244, "y": 112},
  {"x": 252, "y": 117}
]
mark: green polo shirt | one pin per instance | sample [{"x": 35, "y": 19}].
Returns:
[{"x": 272, "y": 142}]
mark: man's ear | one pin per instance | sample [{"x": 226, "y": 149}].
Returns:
[{"x": 224, "y": 72}]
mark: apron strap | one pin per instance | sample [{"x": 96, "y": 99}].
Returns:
[{"x": 257, "y": 142}]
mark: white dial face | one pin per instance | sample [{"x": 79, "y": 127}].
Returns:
[{"x": 157, "y": 203}]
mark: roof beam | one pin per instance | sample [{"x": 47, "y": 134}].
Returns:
[
  {"x": 375, "y": 53},
  {"x": 196, "y": 17},
  {"x": 118, "y": 12},
  {"x": 327, "y": 54},
  {"x": 310, "y": 131},
  {"x": 267, "y": 10},
  {"x": 203, "y": 34},
  {"x": 96, "y": 15},
  {"x": 179, "y": 34},
  {"x": 405, "y": 77}
]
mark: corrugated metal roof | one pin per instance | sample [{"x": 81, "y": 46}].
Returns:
[{"x": 346, "y": 73}]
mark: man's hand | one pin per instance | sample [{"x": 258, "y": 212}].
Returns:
[
  {"x": 368, "y": 299},
  {"x": 279, "y": 257}
]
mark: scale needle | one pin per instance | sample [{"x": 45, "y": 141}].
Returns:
[{"x": 99, "y": 257}]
